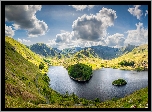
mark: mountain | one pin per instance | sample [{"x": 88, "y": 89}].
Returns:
[
  {"x": 106, "y": 52},
  {"x": 86, "y": 52},
  {"x": 44, "y": 50},
  {"x": 68, "y": 52},
  {"x": 103, "y": 52},
  {"x": 27, "y": 84},
  {"x": 138, "y": 56}
]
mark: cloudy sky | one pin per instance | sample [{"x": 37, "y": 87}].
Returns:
[{"x": 65, "y": 26}]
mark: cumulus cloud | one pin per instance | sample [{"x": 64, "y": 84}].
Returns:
[
  {"x": 136, "y": 11},
  {"x": 138, "y": 36},
  {"x": 115, "y": 40},
  {"x": 52, "y": 43},
  {"x": 65, "y": 37},
  {"x": 24, "y": 17},
  {"x": 23, "y": 40},
  {"x": 93, "y": 27},
  {"x": 68, "y": 40},
  {"x": 88, "y": 30},
  {"x": 82, "y": 7},
  {"x": 146, "y": 12},
  {"x": 9, "y": 31},
  {"x": 20, "y": 40},
  {"x": 16, "y": 26}
]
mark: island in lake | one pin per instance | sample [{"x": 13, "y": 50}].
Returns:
[{"x": 80, "y": 72}]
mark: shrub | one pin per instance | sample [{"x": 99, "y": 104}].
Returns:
[
  {"x": 119, "y": 82},
  {"x": 126, "y": 63},
  {"x": 80, "y": 71},
  {"x": 139, "y": 69},
  {"x": 41, "y": 66}
]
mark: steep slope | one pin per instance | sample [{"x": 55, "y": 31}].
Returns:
[
  {"x": 139, "y": 57},
  {"x": 44, "y": 50},
  {"x": 103, "y": 52},
  {"x": 25, "y": 83},
  {"x": 24, "y": 51},
  {"x": 86, "y": 52},
  {"x": 108, "y": 53}
]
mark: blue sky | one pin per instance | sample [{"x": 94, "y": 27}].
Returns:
[{"x": 65, "y": 26}]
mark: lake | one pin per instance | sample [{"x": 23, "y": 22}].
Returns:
[{"x": 100, "y": 85}]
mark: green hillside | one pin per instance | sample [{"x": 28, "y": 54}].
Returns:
[
  {"x": 27, "y": 84},
  {"x": 138, "y": 56}
]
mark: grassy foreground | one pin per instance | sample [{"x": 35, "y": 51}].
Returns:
[{"x": 138, "y": 99}]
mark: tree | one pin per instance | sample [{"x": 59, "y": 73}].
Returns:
[
  {"x": 41, "y": 66},
  {"x": 80, "y": 71}
]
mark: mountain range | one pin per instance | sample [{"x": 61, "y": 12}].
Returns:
[{"x": 100, "y": 51}]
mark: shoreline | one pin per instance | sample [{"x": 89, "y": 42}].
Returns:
[{"x": 80, "y": 80}]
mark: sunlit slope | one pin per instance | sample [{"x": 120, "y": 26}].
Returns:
[
  {"x": 138, "y": 55},
  {"x": 26, "y": 86},
  {"x": 24, "y": 51},
  {"x": 24, "y": 81},
  {"x": 87, "y": 57}
]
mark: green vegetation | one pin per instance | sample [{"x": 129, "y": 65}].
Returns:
[
  {"x": 119, "y": 82},
  {"x": 80, "y": 72},
  {"x": 137, "y": 59},
  {"x": 41, "y": 66},
  {"x": 23, "y": 79},
  {"x": 27, "y": 84},
  {"x": 126, "y": 63}
]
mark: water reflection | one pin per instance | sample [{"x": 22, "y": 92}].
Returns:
[{"x": 100, "y": 85}]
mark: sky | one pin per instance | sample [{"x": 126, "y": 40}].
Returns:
[{"x": 66, "y": 26}]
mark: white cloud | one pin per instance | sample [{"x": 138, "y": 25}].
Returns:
[
  {"x": 9, "y": 31},
  {"x": 63, "y": 31},
  {"x": 136, "y": 11},
  {"x": 146, "y": 12},
  {"x": 68, "y": 40},
  {"x": 24, "y": 17},
  {"x": 16, "y": 26},
  {"x": 93, "y": 27},
  {"x": 138, "y": 36},
  {"x": 115, "y": 40},
  {"x": 51, "y": 43},
  {"x": 64, "y": 37},
  {"x": 88, "y": 30},
  {"x": 20, "y": 40},
  {"x": 23, "y": 40},
  {"x": 82, "y": 7}
]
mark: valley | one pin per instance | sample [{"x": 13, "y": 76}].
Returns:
[{"x": 27, "y": 83}]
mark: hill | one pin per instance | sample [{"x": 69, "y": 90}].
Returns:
[
  {"x": 103, "y": 52},
  {"x": 138, "y": 56},
  {"x": 27, "y": 84},
  {"x": 23, "y": 78},
  {"x": 44, "y": 50}
]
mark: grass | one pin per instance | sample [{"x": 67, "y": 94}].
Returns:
[{"x": 26, "y": 86}]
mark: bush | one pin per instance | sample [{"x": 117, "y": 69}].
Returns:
[
  {"x": 80, "y": 71},
  {"x": 126, "y": 63},
  {"x": 139, "y": 69},
  {"x": 97, "y": 100},
  {"x": 41, "y": 66},
  {"x": 119, "y": 82}
]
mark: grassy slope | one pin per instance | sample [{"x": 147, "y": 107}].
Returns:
[
  {"x": 25, "y": 85},
  {"x": 24, "y": 82},
  {"x": 83, "y": 56},
  {"x": 139, "y": 55}
]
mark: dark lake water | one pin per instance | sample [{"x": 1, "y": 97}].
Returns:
[{"x": 100, "y": 85}]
